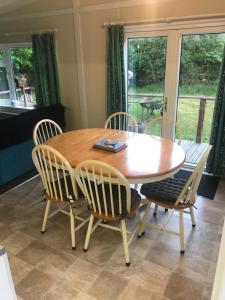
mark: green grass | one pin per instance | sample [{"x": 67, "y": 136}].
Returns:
[
  {"x": 206, "y": 89},
  {"x": 152, "y": 89},
  {"x": 199, "y": 90},
  {"x": 187, "y": 111},
  {"x": 187, "y": 116}
]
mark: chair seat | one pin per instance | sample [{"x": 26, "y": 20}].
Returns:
[
  {"x": 135, "y": 200},
  {"x": 66, "y": 196},
  {"x": 165, "y": 191}
]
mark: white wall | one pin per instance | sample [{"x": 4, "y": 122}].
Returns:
[{"x": 86, "y": 93}]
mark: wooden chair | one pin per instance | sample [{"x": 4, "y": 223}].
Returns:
[
  {"x": 168, "y": 121},
  {"x": 59, "y": 186},
  {"x": 176, "y": 194},
  {"x": 44, "y": 130},
  {"x": 122, "y": 121},
  {"x": 109, "y": 198}
]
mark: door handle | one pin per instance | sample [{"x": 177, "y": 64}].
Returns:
[{"x": 165, "y": 104}]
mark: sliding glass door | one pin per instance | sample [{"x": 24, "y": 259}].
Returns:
[
  {"x": 150, "y": 79},
  {"x": 174, "y": 73},
  {"x": 146, "y": 77},
  {"x": 201, "y": 57}
]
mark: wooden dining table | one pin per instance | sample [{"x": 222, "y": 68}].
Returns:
[{"x": 145, "y": 159}]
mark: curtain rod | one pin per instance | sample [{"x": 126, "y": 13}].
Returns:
[
  {"x": 30, "y": 32},
  {"x": 164, "y": 20}
]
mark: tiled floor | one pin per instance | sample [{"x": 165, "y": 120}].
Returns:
[{"x": 45, "y": 266}]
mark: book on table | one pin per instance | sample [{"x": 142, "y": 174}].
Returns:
[{"x": 110, "y": 145}]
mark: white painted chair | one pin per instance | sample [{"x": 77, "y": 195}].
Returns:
[
  {"x": 122, "y": 121},
  {"x": 168, "y": 121},
  {"x": 44, "y": 130},
  {"x": 109, "y": 198},
  {"x": 176, "y": 194},
  {"x": 158, "y": 122},
  {"x": 59, "y": 186}
]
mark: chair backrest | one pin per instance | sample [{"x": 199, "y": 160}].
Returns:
[
  {"x": 56, "y": 173},
  {"x": 104, "y": 188},
  {"x": 168, "y": 121},
  {"x": 188, "y": 192},
  {"x": 122, "y": 121},
  {"x": 44, "y": 130}
]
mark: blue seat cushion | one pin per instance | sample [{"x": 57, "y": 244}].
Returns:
[
  {"x": 135, "y": 199},
  {"x": 67, "y": 192},
  {"x": 164, "y": 190}
]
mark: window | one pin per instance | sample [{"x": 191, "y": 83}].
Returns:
[{"x": 16, "y": 75}]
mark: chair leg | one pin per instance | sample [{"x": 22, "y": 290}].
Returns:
[
  {"x": 46, "y": 216},
  {"x": 72, "y": 228},
  {"x": 155, "y": 210},
  {"x": 192, "y": 216},
  {"x": 125, "y": 242},
  {"x": 88, "y": 235},
  {"x": 181, "y": 223},
  {"x": 143, "y": 223}
]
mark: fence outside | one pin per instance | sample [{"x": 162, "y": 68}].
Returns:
[{"x": 155, "y": 101}]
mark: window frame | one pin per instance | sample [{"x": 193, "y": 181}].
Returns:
[{"x": 7, "y": 63}]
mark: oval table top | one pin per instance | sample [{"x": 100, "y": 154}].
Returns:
[{"x": 145, "y": 159}]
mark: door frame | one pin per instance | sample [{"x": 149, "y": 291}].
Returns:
[{"x": 174, "y": 32}]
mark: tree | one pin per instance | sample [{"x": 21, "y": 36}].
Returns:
[
  {"x": 200, "y": 59},
  {"x": 146, "y": 57},
  {"x": 22, "y": 61}
]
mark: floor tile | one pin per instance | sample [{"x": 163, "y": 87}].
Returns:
[
  {"x": 183, "y": 288},
  {"x": 34, "y": 285},
  {"x": 101, "y": 288},
  {"x": 163, "y": 254},
  {"x": 16, "y": 242},
  {"x": 38, "y": 253},
  {"x": 19, "y": 268},
  {"x": 99, "y": 253},
  {"x": 193, "y": 266},
  {"x": 207, "y": 292},
  {"x": 137, "y": 289},
  {"x": 151, "y": 275},
  {"x": 82, "y": 274},
  {"x": 5, "y": 232},
  {"x": 61, "y": 291},
  {"x": 202, "y": 247},
  {"x": 83, "y": 296}
]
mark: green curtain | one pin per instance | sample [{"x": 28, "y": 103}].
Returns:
[
  {"x": 45, "y": 67},
  {"x": 216, "y": 161},
  {"x": 116, "y": 98}
]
